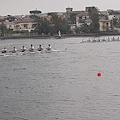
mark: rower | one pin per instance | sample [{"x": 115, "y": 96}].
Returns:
[
  {"x": 23, "y": 49},
  {"x": 32, "y": 48},
  {"x": 4, "y": 50},
  {"x": 14, "y": 50},
  {"x": 40, "y": 48},
  {"x": 49, "y": 47}
]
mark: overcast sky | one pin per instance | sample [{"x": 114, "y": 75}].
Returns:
[{"x": 22, "y": 7}]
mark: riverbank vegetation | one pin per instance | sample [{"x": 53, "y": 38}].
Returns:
[
  {"x": 51, "y": 26},
  {"x": 56, "y": 23}
]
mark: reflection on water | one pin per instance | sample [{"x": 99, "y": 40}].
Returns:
[{"x": 61, "y": 85}]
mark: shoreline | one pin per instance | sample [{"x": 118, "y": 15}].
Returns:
[{"x": 56, "y": 37}]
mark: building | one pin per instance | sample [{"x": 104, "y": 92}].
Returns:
[
  {"x": 76, "y": 18},
  {"x": 24, "y": 24},
  {"x": 105, "y": 25},
  {"x": 82, "y": 18},
  {"x": 9, "y": 24}
]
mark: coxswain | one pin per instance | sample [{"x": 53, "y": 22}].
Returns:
[{"x": 4, "y": 50}]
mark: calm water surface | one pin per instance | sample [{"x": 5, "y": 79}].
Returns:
[{"x": 63, "y": 84}]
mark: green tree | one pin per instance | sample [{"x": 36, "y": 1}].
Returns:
[
  {"x": 58, "y": 24},
  {"x": 85, "y": 28},
  {"x": 115, "y": 22},
  {"x": 51, "y": 26},
  {"x": 94, "y": 16},
  {"x": 10, "y": 18},
  {"x": 73, "y": 18},
  {"x": 3, "y": 29},
  {"x": 42, "y": 26}
]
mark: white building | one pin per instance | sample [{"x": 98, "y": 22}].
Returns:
[
  {"x": 105, "y": 25},
  {"x": 24, "y": 24},
  {"x": 9, "y": 25}
]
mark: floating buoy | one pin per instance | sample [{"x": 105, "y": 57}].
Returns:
[{"x": 99, "y": 74}]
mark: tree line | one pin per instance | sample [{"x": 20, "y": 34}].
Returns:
[
  {"x": 56, "y": 23},
  {"x": 52, "y": 26}
]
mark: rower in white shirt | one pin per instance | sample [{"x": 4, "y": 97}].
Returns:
[
  {"x": 40, "y": 48},
  {"x": 4, "y": 50},
  {"x": 49, "y": 47},
  {"x": 23, "y": 49},
  {"x": 32, "y": 48},
  {"x": 14, "y": 50}
]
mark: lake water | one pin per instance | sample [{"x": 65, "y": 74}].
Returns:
[{"x": 63, "y": 84}]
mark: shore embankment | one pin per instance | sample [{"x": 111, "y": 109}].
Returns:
[
  {"x": 56, "y": 36},
  {"x": 25, "y": 36},
  {"x": 93, "y": 35}
]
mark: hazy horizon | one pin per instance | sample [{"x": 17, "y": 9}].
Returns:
[{"x": 22, "y": 7}]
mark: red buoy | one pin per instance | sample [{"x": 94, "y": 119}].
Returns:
[{"x": 99, "y": 73}]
